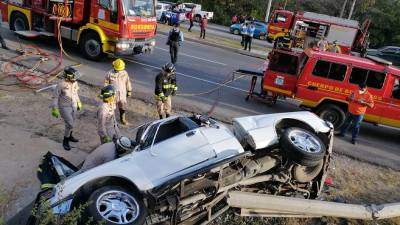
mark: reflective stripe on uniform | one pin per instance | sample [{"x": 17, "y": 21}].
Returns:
[{"x": 45, "y": 186}]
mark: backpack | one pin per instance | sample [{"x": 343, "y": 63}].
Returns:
[{"x": 175, "y": 35}]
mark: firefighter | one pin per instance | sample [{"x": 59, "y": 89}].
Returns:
[
  {"x": 323, "y": 44},
  {"x": 66, "y": 103},
  {"x": 175, "y": 38},
  {"x": 335, "y": 47},
  {"x": 2, "y": 42},
  {"x": 359, "y": 101},
  {"x": 107, "y": 152},
  {"x": 119, "y": 79},
  {"x": 165, "y": 87},
  {"x": 106, "y": 123}
]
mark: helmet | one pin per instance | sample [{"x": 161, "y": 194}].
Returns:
[
  {"x": 123, "y": 145},
  {"x": 169, "y": 68},
  {"x": 107, "y": 92},
  {"x": 119, "y": 64},
  {"x": 71, "y": 73}
]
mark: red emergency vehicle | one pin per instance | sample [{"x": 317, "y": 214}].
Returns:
[
  {"x": 307, "y": 28},
  {"x": 99, "y": 27},
  {"x": 322, "y": 80}
]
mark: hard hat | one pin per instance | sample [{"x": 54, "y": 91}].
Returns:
[
  {"x": 123, "y": 145},
  {"x": 107, "y": 92},
  {"x": 71, "y": 73},
  {"x": 169, "y": 68},
  {"x": 119, "y": 64}
]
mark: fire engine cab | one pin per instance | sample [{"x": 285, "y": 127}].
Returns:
[
  {"x": 99, "y": 27},
  {"x": 321, "y": 81}
]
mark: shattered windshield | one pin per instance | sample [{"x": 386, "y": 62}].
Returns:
[{"x": 139, "y": 8}]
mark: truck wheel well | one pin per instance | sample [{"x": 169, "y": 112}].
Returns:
[
  {"x": 286, "y": 123},
  {"x": 13, "y": 15},
  {"x": 86, "y": 32},
  {"x": 342, "y": 105},
  {"x": 83, "y": 193}
]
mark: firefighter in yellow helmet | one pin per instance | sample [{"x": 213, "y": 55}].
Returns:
[
  {"x": 66, "y": 103},
  {"x": 119, "y": 79},
  {"x": 165, "y": 88},
  {"x": 107, "y": 126}
]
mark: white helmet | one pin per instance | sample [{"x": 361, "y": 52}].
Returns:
[{"x": 123, "y": 145}]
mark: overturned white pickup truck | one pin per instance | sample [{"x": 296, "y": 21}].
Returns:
[{"x": 182, "y": 168}]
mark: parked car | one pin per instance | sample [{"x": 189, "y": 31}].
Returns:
[
  {"x": 162, "y": 7},
  {"x": 198, "y": 13},
  {"x": 390, "y": 53},
  {"x": 183, "y": 166},
  {"x": 260, "y": 32}
]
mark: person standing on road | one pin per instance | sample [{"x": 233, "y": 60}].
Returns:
[
  {"x": 175, "y": 38},
  {"x": 2, "y": 42},
  {"x": 203, "y": 27},
  {"x": 165, "y": 87},
  {"x": 243, "y": 31},
  {"x": 107, "y": 126},
  {"x": 234, "y": 19},
  {"x": 249, "y": 37},
  {"x": 190, "y": 18},
  {"x": 119, "y": 79},
  {"x": 66, "y": 103},
  {"x": 359, "y": 101},
  {"x": 107, "y": 152}
]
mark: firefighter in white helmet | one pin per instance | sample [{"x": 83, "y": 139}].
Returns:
[
  {"x": 119, "y": 78},
  {"x": 66, "y": 103},
  {"x": 107, "y": 126},
  {"x": 107, "y": 152}
]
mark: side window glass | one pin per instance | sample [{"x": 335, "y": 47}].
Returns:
[
  {"x": 149, "y": 136},
  {"x": 104, "y": 3},
  {"x": 373, "y": 79},
  {"x": 330, "y": 70},
  {"x": 396, "y": 89}
]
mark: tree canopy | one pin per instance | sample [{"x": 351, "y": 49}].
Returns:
[{"x": 384, "y": 14}]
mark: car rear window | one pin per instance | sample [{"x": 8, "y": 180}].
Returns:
[
  {"x": 373, "y": 79},
  {"x": 284, "y": 63},
  {"x": 330, "y": 70}
]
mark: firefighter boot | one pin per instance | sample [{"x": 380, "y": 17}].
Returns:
[
  {"x": 72, "y": 139},
  {"x": 161, "y": 116},
  {"x": 66, "y": 144},
  {"x": 167, "y": 115},
  {"x": 122, "y": 117}
]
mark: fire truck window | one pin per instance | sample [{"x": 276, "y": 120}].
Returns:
[
  {"x": 330, "y": 70},
  {"x": 396, "y": 89},
  {"x": 284, "y": 63},
  {"x": 373, "y": 79},
  {"x": 280, "y": 18}
]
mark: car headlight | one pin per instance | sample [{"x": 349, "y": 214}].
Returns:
[
  {"x": 122, "y": 46},
  {"x": 153, "y": 43}
]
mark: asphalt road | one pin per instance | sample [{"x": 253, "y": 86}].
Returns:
[{"x": 201, "y": 68}]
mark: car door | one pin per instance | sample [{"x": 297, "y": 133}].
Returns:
[
  {"x": 169, "y": 156},
  {"x": 391, "y": 114}
]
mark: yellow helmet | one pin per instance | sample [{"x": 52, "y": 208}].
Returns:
[{"x": 119, "y": 64}]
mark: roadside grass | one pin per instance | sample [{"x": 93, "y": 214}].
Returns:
[
  {"x": 226, "y": 42},
  {"x": 4, "y": 199}
]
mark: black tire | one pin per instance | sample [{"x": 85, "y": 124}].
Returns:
[
  {"x": 236, "y": 32},
  {"x": 333, "y": 114},
  {"x": 305, "y": 174},
  {"x": 18, "y": 22},
  {"x": 292, "y": 149},
  {"x": 91, "y": 47},
  {"x": 197, "y": 18},
  {"x": 106, "y": 193}
]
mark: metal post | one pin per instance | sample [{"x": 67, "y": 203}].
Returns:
[
  {"x": 343, "y": 8},
  {"x": 352, "y": 9},
  {"x": 268, "y": 11}
]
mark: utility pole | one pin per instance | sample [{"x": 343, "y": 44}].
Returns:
[
  {"x": 352, "y": 9},
  {"x": 343, "y": 8},
  {"x": 268, "y": 10}
]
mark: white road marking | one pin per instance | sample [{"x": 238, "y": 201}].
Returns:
[
  {"x": 189, "y": 76},
  {"x": 195, "y": 57}
]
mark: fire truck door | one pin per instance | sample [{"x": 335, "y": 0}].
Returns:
[
  {"x": 106, "y": 15},
  {"x": 392, "y": 112}
]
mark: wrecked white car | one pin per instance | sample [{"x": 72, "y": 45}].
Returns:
[{"x": 182, "y": 169}]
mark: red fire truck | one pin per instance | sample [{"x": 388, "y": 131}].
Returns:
[
  {"x": 307, "y": 28},
  {"x": 99, "y": 27},
  {"x": 321, "y": 81}
]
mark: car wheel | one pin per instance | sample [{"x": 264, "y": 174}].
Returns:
[
  {"x": 116, "y": 205},
  {"x": 333, "y": 114},
  {"x": 302, "y": 146},
  {"x": 91, "y": 47},
  {"x": 305, "y": 174},
  {"x": 236, "y": 32},
  {"x": 197, "y": 18}
]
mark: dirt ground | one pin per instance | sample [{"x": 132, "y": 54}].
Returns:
[{"x": 354, "y": 181}]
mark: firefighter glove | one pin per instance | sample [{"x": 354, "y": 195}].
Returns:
[
  {"x": 55, "y": 112},
  {"x": 129, "y": 94},
  {"x": 107, "y": 139},
  {"x": 79, "y": 106}
]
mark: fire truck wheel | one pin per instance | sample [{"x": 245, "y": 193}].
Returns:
[
  {"x": 302, "y": 146},
  {"x": 333, "y": 114},
  {"x": 91, "y": 47},
  {"x": 18, "y": 22}
]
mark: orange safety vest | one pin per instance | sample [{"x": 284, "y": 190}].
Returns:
[{"x": 357, "y": 108}]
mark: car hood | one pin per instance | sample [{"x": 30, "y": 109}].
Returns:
[{"x": 260, "y": 131}]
